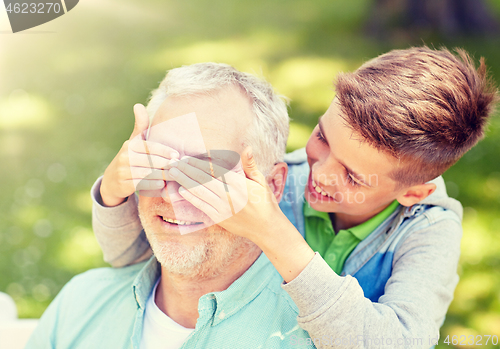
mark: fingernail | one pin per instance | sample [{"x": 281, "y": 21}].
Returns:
[
  {"x": 174, "y": 155},
  {"x": 160, "y": 184},
  {"x": 174, "y": 172}
]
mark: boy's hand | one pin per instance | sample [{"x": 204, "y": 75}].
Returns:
[
  {"x": 254, "y": 212},
  {"x": 135, "y": 161},
  {"x": 231, "y": 200}
]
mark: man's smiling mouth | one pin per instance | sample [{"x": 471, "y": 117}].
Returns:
[{"x": 179, "y": 222}]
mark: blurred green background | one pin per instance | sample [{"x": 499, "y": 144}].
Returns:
[{"x": 67, "y": 89}]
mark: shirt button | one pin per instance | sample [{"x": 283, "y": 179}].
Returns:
[
  {"x": 332, "y": 257},
  {"x": 222, "y": 315}
]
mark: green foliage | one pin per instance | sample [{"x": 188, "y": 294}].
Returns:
[{"x": 66, "y": 98}]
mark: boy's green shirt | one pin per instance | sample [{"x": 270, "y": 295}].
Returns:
[{"x": 335, "y": 248}]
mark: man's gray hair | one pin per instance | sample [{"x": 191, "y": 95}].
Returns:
[{"x": 269, "y": 133}]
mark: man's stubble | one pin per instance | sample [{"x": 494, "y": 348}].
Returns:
[{"x": 216, "y": 250}]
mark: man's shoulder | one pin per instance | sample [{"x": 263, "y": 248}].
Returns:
[
  {"x": 94, "y": 309},
  {"x": 273, "y": 290},
  {"x": 97, "y": 293},
  {"x": 283, "y": 299},
  {"x": 108, "y": 274},
  {"x": 100, "y": 282}
]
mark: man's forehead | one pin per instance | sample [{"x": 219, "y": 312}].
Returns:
[
  {"x": 217, "y": 122},
  {"x": 220, "y": 105}
]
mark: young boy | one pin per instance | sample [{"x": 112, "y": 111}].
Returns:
[{"x": 375, "y": 209}]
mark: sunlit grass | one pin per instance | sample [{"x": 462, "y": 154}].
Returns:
[
  {"x": 308, "y": 81},
  {"x": 80, "y": 251},
  {"x": 246, "y": 53},
  {"x": 478, "y": 242},
  {"x": 298, "y": 136},
  {"x": 22, "y": 110}
]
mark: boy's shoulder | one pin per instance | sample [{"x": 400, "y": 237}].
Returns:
[
  {"x": 440, "y": 199},
  {"x": 298, "y": 170},
  {"x": 296, "y": 157}
]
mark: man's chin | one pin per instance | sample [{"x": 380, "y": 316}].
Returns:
[{"x": 176, "y": 258}]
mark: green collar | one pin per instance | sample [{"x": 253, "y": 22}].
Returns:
[{"x": 362, "y": 230}]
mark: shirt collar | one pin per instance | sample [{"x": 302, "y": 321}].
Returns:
[
  {"x": 145, "y": 281},
  {"x": 246, "y": 288},
  {"x": 362, "y": 230},
  {"x": 225, "y": 303}
]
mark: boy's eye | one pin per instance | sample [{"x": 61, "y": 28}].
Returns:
[
  {"x": 321, "y": 138},
  {"x": 351, "y": 181}
]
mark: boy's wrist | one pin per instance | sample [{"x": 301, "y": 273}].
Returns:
[
  {"x": 274, "y": 232},
  {"x": 108, "y": 200},
  {"x": 286, "y": 249}
]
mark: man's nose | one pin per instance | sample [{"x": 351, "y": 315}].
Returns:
[{"x": 171, "y": 192}]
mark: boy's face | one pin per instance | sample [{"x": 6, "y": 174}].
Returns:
[{"x": 351, "y": 176}]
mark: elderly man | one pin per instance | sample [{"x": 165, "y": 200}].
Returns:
[{"x": 205, "y": 289}]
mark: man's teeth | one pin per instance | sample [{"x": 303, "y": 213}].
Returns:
[
  {"x": 319, "y": 190},
  {"x": 175, "y": 221}
]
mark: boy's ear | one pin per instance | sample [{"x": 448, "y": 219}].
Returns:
[
  {"x": 416, "y": 193},
  {"x": 276, "y": 179}
]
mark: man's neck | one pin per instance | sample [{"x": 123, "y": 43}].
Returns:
[{"x": 178, "y": 295}]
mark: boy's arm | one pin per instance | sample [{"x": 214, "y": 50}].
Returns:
[
  {"x": 414, "y": 304},
  {"x": 118, "y": 230}
]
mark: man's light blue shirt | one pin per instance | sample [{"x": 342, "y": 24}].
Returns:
[{"x": 104, "y": 308}]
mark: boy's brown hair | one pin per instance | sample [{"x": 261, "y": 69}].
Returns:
[{"x": 425, "y": 107}]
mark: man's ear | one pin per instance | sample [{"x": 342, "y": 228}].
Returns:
[
  {"x": 276, "y": 179},
  {"x": 416, "y": 193}
]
